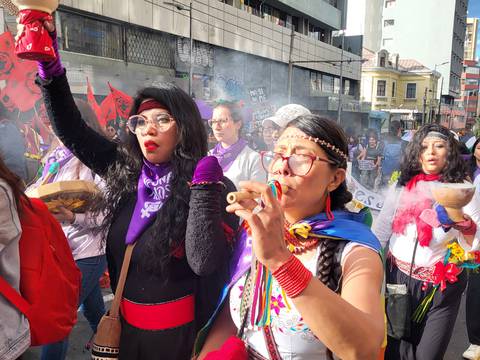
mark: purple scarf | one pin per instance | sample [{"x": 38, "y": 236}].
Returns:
[
  {"x": 60, "y": 155},
  {"x": 152, "y": 192},
  {"x": 227, "y": 156},
  {"x": 476, "y": 173}
]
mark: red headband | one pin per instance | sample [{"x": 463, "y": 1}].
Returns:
[{"x": 150, "y": 104}]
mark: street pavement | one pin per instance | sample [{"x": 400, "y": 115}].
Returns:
[{"x": 81, "y": 334}]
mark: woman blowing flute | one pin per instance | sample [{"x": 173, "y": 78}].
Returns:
[
  {"x": 315, "y": 286},
  {"x": 165, "y": 196}
]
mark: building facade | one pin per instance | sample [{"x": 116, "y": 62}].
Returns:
[
  {"x": 364, "y": 18},
  {"x": 401, "y": 88},
  {"x": 471, "y": 36},
  {"x": 470, "y": 92},
  {"x": 241, "y": 49},
  {"x": 431, "y": 32}
]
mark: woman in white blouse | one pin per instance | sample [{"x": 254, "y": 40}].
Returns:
[
  {"x": 238, "y": 161},
  {"x": 326, "y": 282},
  {"x": 412, "y": 226}
]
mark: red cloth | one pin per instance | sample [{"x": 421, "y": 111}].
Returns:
[
  {"x": 20, "y": 91},
  {"x": 34, "y": 43},
  {"x": 123, "y": 102},
  {"x": 412, "y": 203},
  {"x": 94, "y": 105},
  {"x": 232, "y": 349},
  {"x": 108, "y": 111}
]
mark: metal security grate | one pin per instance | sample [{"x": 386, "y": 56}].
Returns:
[
  {"x": 149, "y": 48},
  {"x": 89, "y": 36}
]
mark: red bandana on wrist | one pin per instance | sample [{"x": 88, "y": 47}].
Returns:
[
  {"x": 150, "y": 104},
  {"x": 409, "y": 212}
]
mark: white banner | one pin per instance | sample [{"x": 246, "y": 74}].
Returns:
[{"x": 363, "y": 195}]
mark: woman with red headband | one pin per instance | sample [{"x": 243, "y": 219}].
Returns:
[
  {"x": 426, "y": 249},
  {"x": 163, "y": 195}
]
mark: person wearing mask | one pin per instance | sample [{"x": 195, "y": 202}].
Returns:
[
  {"x": 238, "y": 161},
  {"x": 163, "y": 195},
  {"x": 14, "y": 331},
  {"x": 304, "y": 241},
  {"x": 87, "y": 245},
  {"x": 418, "y": 235},
  {"x": 273, "y": 125},
  {"x": 472, "y": 301}
]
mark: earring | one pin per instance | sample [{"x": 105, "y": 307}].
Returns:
[{"x": 328, "y": 207}]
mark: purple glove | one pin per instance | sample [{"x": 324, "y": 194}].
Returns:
[
  {"x": 49, "y": 69},
  {"x": 208, "y": 170}
]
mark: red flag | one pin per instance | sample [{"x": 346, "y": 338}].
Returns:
[
  {"x": 20, "y": 91},
  {"x": 94, "y": 105},
  {"x": 123, "y": 102},
  {"x": 107, "y": 108}
]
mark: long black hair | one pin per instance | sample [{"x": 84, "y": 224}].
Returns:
[
  {"x": 473, "y": 160},
  {"x": 122, "y": 177},
  {"x": 454, "y": 170},
  {"x": 329, "y": 131}
]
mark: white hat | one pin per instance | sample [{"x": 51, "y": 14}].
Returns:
[{"x": 287, "y": 113}]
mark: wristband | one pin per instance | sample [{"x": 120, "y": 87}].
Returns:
[
  {"x": 293, "y": 277},
  {"x": 467, "y": 227}
]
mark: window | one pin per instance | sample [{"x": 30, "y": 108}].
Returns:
[
  {"x": 382, "y": 61},
  {"x": 394, "y": 89},
  {"x": 381, "y": 88},
  {"x": 389, "y": 22},
  {"x": 389, "y": 3},
  {"x": 314, "y": 81},
  {"x": 411, "y": 91},
  {"x": 346, "y": 87},
  {"x": 89, "y": 36},
  {"x": 327, "y": 83},
  {"x": 336, "y": 85}
]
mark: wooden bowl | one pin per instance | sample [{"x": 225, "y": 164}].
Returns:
[
  {"x": 76, "y": 195},
  {"x": 453, "y": 197}
]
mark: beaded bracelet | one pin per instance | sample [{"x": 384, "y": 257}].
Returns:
[
  {"x": 292, "y": 276},
  {"x": 207, "y": 183}
]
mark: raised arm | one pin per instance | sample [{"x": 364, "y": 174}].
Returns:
[{"x": 94, "y": 150}]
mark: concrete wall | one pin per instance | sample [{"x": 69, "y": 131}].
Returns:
[
  {"x": 364, "y": 17},
  {"x": 225, "y": 26}
]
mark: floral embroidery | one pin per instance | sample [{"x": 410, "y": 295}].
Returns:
[{"x": 277, "y": 303}]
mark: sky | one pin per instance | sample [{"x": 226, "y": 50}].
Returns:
[{"x": 474, "y": 11}]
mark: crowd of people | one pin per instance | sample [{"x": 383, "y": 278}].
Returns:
[{"x": 283, "y": 272}]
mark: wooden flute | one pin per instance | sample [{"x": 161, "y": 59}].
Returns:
[{"x": 236, "y": 196}]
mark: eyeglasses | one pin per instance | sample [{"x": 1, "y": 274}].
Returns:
[
  {"x": 299, "y": 164},
  {"x": 221, "y": 122},
  {"x": 162, "y": 122}
]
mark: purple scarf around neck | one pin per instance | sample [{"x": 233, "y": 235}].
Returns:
[
  {"x": 60, "y": 155},
  {"x": 152, "y": 192},
  {"x": 227, "y": 156}
]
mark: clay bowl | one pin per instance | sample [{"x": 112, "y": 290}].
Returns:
[{"x": 453, "y": 197}]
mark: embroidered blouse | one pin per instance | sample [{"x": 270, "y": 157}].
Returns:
[{"x": 294, "y": 339}]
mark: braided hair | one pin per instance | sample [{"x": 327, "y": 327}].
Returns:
[{"x": 329, "y": 269}]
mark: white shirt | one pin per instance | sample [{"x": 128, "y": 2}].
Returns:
[
  {"x": 401, "y": 245},
  {"x": 247, "y": 166},
  {"x": 294, "y": 339},
  {"x": 84, "y": 241}
]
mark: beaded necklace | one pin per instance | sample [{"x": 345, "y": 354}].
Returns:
[{"x": 296, "y": 246}]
